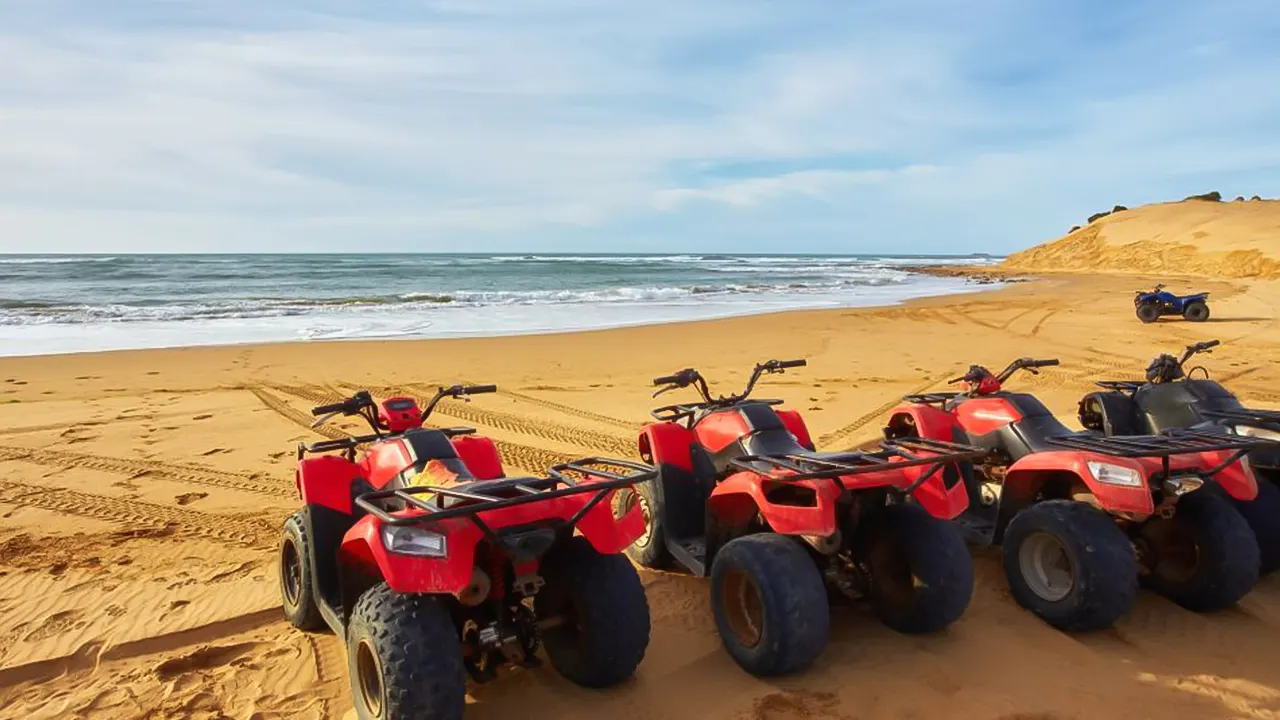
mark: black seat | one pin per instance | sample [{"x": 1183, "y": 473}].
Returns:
[
  {"x": 766, "y": 435},
  {"x": 1031, "y": 433}
]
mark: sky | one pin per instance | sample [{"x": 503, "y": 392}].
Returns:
[{"x": 925, "y": 126}]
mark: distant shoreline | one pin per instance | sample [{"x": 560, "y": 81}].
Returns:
[{"x": 78, "y": 304}]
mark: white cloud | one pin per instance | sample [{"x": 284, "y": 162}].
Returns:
[{"x": 462, "y": 125}]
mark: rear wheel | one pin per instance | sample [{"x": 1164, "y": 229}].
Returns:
[
  {"x": 1148, "y": 312},
  {"x": 770, "y": 604},
  {"x": 1068, "y": 563},
  {"x": 1205, "y": 557},
  {"x": 1263, "y": 515},
  {"x": 921, "y": 572},
  {"x": 297, "y": 587},
  {"x": 404, "y": 658},
  {"x": 1196, "y": 312},
  {"x": 650, "y": 549},
  {"x": 604, "y": 617}
]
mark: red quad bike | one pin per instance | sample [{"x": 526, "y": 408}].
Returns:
[
  {"x": 741, "y": 495},
  {"x": 1082, "y": 516},
  {"x": 433, "y": 565},
  {"x": 1171, "y": 397}
]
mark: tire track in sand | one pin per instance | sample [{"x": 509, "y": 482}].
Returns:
[
  {"x": 570, "y": 410},
  {"x": 251, "y": 532},
  {"x": 527, "y": 458},
  {"x": 864, "y": 420},
  {"x": 294, "y": 415},
  {"x": 189, "y": 474},
  {"x": 92, "y": 654},
  {"x": 581, "y": 437}
]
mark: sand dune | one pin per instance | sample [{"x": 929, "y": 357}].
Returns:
[
  {"x": 141, "y": 492},
  {"x": 1192, "y": 237}
]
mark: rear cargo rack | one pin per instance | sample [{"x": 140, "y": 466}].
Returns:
[
  {"x": 1269, "y": 419},
  {"x": 495, "y": 495},
  {"x": 935, "y": 398},
  {"x": 893, "y": 455},
  {"x": 1129, "y": 386}
]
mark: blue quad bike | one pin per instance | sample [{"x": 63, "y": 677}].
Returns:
[{"x": 1151, "y": 305}]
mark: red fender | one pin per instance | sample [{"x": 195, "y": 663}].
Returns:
[
  {"x": 1113, "y": 498},
  {"x": 480, "y": 456},
  {"x": 326, "y": 480},
  {"x": 1237, "y": 478},
  {"x": 933, "y": 494},
  {"x": 929, "y": 422},
  {"x": 363, "y": 544},
  {"x": 794, "y": 422},
  {"x": 666, "y": 443},
  {"x": 741, "y": 495}
]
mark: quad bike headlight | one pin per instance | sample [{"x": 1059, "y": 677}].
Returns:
[
  {"x": 409, "y": 540},
  {"x": 1115, "y": 474},
  {"x": 1257, "y": 432}
]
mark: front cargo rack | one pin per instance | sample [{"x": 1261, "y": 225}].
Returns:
[
  {"x": 1129, "y": 386},
  {"x": 893, "y": 455},
  {"x": 1173, "y": 442},
  {"x": 1267, "y": 419},
  {"x": 934, "y": 398},
  {"x": 483, "y": 496}
]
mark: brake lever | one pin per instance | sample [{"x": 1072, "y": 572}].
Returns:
[
  {"x": 325, "y": 418},
  {"x": 665, "y": 389}
]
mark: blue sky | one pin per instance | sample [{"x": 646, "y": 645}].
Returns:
[{"x": 561, "y": 125}]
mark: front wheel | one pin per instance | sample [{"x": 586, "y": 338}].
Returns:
[
  {"x": 1205, "y": 557},
  {"x": 404, "y": 658},
  {"x": 1068, "y": 563},
  {"x": 297, "y": 587},
  {"x": 650, "y": 549},
  {"x": 1148, "y": 312},
  {"x": 921, "y": 572},
  {"x": 603, "y": 628},
  {"x": 1196, "y": 312},
  {"x": 770, "y": 604},
  {"x": 1263, "y": 515}
]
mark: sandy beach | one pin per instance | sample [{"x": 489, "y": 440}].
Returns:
[{"x": 141, "y": 495}]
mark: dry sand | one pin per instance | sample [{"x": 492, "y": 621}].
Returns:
[
  {"x": 141, "y": 493},
  {"x": 1192, "y": 237}
]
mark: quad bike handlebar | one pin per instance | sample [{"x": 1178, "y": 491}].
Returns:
[
  {"x": 690, "y": 376},
  {"x": 362, "y": 404},
  {"x": 978, "y": 373},
  {"x": 1167, "y": 368}
]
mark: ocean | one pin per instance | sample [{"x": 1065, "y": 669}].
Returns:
[{"x": 66, "y": 303}]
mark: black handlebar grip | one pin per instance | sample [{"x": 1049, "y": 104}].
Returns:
[
  {"x": 326, "y": 409},
  {"x": 792, "y": 363},
  {"x": 1209, "y": 344},
  {"x": 667, "y": 380},
  {"x": 477, "y": 389},
  {"x": 1045, "y": 363}
]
